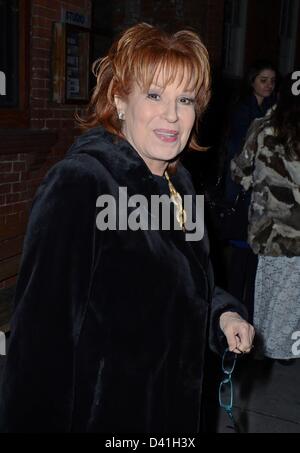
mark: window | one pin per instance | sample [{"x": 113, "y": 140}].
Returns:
[
  {"x": 235, "y": 23},
  {"x": 288, "y": 34},
  {"x": 14, "y": 32},
  {"x": 9, "y": 54}
]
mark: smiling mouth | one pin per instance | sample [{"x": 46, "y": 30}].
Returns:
[{"x": 165, "y": 135}]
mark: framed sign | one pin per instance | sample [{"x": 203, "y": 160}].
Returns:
[{"x": 70, "y": 64}]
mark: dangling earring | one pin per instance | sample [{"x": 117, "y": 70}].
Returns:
[{"x": 121, "y": 116}]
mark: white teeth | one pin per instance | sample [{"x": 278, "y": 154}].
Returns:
[{"x": 165, "y": 133}]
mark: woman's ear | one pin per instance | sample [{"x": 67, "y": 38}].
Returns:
[{"x": 120, "y": 106}]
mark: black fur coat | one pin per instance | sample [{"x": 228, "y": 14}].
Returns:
[{"x": 109, "y": 328}]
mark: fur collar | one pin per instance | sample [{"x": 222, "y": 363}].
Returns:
[{"x": 123, "y": 161}]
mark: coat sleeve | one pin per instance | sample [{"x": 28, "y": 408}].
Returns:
[
  {"x": 221, "y": 301},
  {"x": 51, "y": 298}
]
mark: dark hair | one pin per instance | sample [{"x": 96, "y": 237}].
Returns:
[
  {"x": 286, "y": 118},
  {"x": 245, "y": 89},
  {"x": 256, "y": 69}
]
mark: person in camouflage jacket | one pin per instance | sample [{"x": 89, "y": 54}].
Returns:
[{"x": 270, "y": 165}]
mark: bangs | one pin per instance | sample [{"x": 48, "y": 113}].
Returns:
[{"x": 167, "y": 66}]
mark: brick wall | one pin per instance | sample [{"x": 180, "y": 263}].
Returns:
[
  {"x": 14, "y": 205},
  {"x": 45, "y": 114},
  {"x": 20, "y": 175},
  {"x": 13, "y": 198},
  {"x": 25, "y": 156}
]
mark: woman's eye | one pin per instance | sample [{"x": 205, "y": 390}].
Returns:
[
  {"x": 187, "y": 101},
  {"x": 153, "y": 96}
]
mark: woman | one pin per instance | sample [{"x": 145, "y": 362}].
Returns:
[
  {"x": 256, "y": 101},
  {"x": 270, "y": 166},
  {"x": 110, "y": 324}
]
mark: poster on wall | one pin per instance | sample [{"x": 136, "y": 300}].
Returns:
[{"x": 71, "y": 61}]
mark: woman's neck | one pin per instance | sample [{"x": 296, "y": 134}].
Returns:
[{"x": 260, "y": 99}]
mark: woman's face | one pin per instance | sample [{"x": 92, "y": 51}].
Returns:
[
  {"x": 264, "y": 83},
  {"x": 158, "y": 122}
]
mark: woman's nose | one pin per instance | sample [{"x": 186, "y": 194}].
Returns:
[{"x": 170, "y": 112}]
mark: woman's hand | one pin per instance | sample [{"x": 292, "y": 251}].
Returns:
[{"x": 239, "y": 333}]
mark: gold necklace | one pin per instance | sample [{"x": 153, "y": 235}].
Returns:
[{"x": 177, "y": 200}]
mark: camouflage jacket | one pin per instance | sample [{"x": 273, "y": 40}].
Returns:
[{"x": 274, "y": 214}]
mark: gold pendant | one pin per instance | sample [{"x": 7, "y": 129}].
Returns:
[{"x": 177, "y": 200}]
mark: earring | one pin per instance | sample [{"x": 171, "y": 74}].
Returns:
[{"x": 121, "y": 116}]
